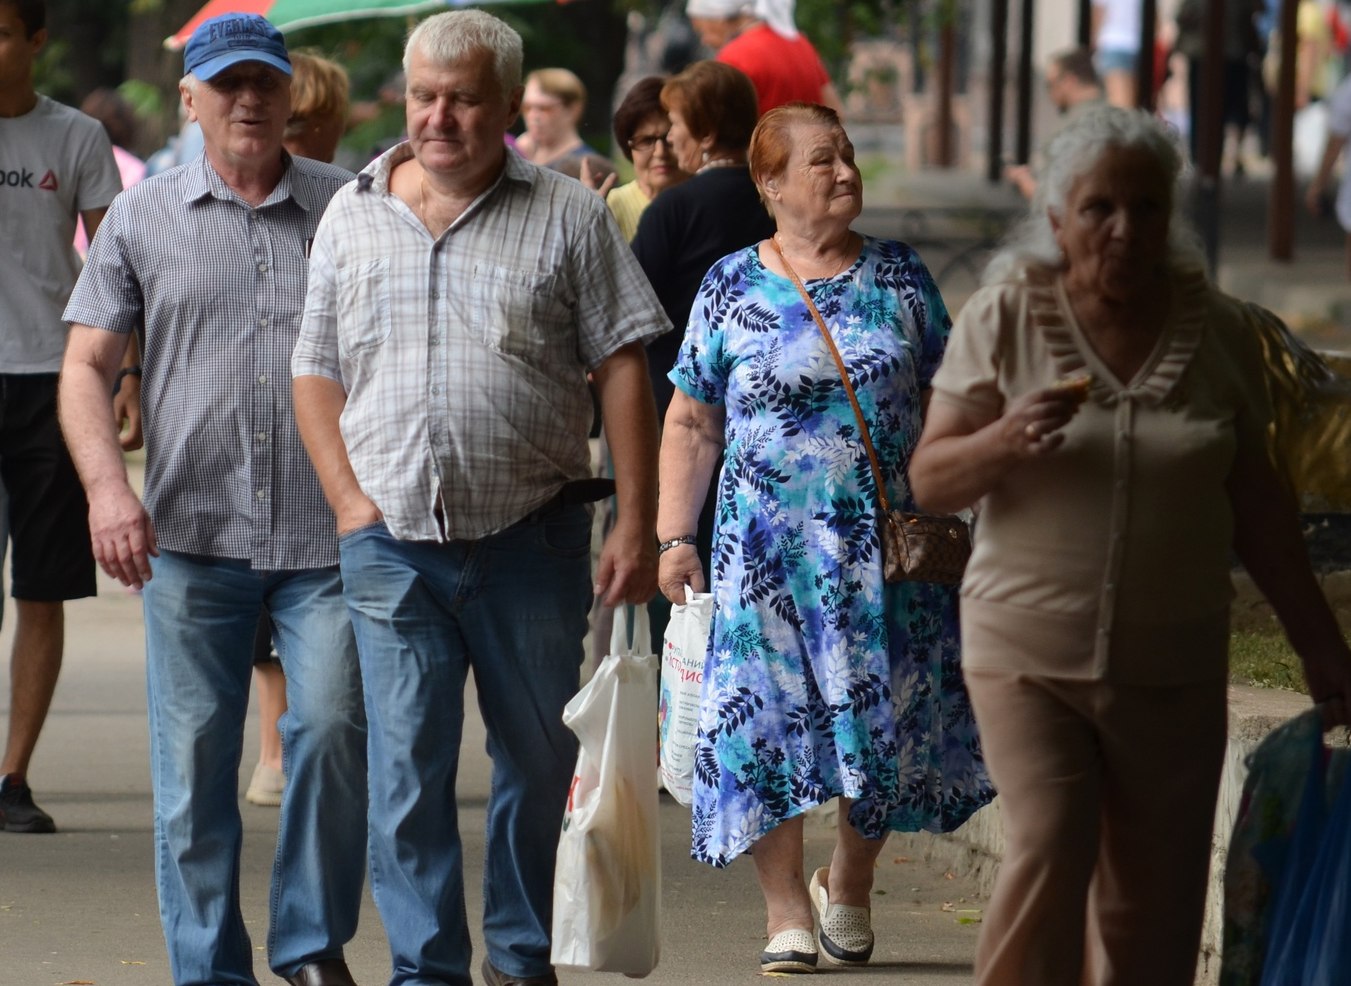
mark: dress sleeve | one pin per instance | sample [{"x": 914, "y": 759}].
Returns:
[
  {"x": 702, "y": 368},
  {"x": 969, "y": 374},
  {"x": 933, "y": 321}
]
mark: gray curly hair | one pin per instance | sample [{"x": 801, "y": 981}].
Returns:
[{"x": 1072, "y": 153}]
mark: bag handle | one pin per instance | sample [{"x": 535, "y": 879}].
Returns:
[
  {"x": 844, "y": 375},
  {"x": 641, "y": 641}
]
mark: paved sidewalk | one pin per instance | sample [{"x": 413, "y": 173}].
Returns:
[{"x": 79, "y": 906}]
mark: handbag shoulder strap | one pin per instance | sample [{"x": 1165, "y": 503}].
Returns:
[{"x": 844, "y": 375}]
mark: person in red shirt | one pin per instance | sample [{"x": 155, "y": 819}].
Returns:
[{"x": 760, "y": 38}]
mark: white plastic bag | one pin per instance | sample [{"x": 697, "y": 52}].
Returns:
[
  {"x": 607, "y": 881},
  {"x": 682, "y": 679}
]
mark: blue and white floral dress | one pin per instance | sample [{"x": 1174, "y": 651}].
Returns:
[{"x": 822, "y": 680}]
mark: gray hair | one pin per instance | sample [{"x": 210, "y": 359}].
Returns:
[
  {"x": 1071, "y": 154},
  {"x": 455, "y": 35}
]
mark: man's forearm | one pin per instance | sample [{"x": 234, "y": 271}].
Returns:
[
  {"x": 630, "y": 416},
  {"x": 85, "y": 407},
  {"x": 318, "y": 405}
]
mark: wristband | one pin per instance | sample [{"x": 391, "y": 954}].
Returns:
[
  {"x": 666, "y": 546},
  {"x": 127, "y": 371}
]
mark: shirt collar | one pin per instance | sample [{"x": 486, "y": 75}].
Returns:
[{"x": 202, "y": 180}]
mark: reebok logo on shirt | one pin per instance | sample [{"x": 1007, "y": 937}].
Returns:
[{"x": 23, "y": 178}]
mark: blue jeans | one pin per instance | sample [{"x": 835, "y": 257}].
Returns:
[
  {"x": 200, "y": 617},
  {"x": 512, "y": 608}
]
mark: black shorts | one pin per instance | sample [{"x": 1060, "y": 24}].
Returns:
[
  {"x": 48, "y": 515},
  {"x": 262, "y": 642}
]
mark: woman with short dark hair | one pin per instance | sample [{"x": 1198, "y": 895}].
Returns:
[{"x": 643, "y": 135}]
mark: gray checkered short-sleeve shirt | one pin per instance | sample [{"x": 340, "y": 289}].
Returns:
[
  {"x": 219, "y": 286},
  {"x": 464, "y": 358}
]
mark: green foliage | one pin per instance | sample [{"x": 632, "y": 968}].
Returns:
[
  {"x": 554, "y": 34},
  {"x": 51, "y": 72},
  {"x": 1263, "y": 657},
  {"x": 145, "y": 99},
  {"x": 832, "y": 26}
]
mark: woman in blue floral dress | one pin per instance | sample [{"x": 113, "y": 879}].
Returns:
[{"x": 821, "y": 680}]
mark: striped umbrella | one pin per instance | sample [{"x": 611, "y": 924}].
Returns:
[{"x": 290, "y": 15}]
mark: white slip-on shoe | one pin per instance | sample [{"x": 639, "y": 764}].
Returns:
[
  {"x": 793, "y": 950},
  {"x": 266, "y": 786},
  {"x": 846, "y": 935}
]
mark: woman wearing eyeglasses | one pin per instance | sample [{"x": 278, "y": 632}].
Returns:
[
  {"x": 642, "y": 131},
  {"x": 712, "y": 109}
]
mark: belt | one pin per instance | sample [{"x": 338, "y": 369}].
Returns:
[{"x": 574, "y": 492}]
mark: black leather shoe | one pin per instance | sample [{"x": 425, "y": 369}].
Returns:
[
  {"x": 492, "y": 976},
  {"x": 325, "y": 972}
]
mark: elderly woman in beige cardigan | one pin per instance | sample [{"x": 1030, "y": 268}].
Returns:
[{"x": 1104, "y": 408}]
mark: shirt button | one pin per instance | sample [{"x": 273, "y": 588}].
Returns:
[
  {"x": 436, "y": 294},
  {"x": 261, "y": 494},
  {"x": 263, "y": 321},
  {"x": 262, "y": 378},
  {"x": 261, "y": 436},
  {"x": 436, "y": 390},
  {"x": 262, "y": 268}
]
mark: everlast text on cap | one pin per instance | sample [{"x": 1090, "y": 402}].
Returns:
[{"x": 229, "y": 39}]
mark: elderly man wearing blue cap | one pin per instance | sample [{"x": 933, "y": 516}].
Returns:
[{"x": 211, "y": 257}]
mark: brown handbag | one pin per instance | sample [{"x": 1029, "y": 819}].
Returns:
[{"x": 915, "y": 547}]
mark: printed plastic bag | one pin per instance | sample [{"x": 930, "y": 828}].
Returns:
[
  {"x": 607, "y": 880},
  {"x": 682, "y": 678},
  {"x": 1308, "y": 929}
]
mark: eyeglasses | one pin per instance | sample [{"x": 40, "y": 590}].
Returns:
[{"x": 645, "y": 144}]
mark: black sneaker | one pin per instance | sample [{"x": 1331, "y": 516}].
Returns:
[{"x": 17, "y": 811}]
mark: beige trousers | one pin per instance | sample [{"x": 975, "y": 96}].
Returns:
[{"x": 1107, "y": 796}]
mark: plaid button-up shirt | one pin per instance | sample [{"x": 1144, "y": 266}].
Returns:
[
  {"x": 464, "y": 358},
  {"x": 219, "y": 286}
]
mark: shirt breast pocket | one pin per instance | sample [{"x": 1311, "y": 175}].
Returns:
[
  {"x": 364, "y": 304},
  {"x": 522, "y": 314}
]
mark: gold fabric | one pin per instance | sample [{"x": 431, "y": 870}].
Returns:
[{"x": 1311, "y": 399}]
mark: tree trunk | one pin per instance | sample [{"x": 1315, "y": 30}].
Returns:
[{"x": 149, "y": 61}]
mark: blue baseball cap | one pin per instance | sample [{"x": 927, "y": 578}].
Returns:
[{"x": 230, "y": 39}]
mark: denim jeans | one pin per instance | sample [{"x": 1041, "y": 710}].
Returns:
[
  {"x": 200, "y": 617},
  {"x": 512, "y": 608}
]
